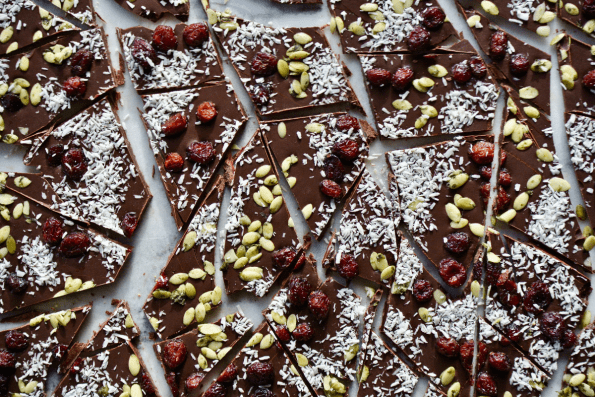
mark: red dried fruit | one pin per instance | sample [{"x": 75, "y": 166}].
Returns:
[
  {"x": 457, "y": 242},
  {"x": 164, "y": 38},
  {"x": 74, "y": 164},
  {"x": 331, "y": 189},
  {"x": 75, "y": 244},
  {"x": 59, "y": 352},
  {"x": 447, "y": 346},
  {"x": 452, "y": 272},
  {"x": 589, "y": 80},
  {"x": 16, "y": 340},
  {"x": 299, "y": 290},
  {"x": 468, "y": 353},
  {"x": 552, "y": 325},
  {"x": 378, "y": 76},
  {"x": 201, "y": 152},
  {"x": 478, "y": 270},
  {"x": 283, "y": 257},
  {"x": 52, "y": 231},
  {"x": 129, "y": 223},
  {"x": 347, "y": 122},
  {"x": 319, "y": 304},
  {"x": 77, "y": 365},
  {"x": 143, "y": 53},
  {"x": 347, "y": 267},
  {"x": 569, "y": 339},
  {"x": 504, "y": 341},
  {"x": 75, "y": 87},
  {"x": 81, "y": 62},
  {"x": 498, "y": 45},
  {"x": 502, "y": 199},
  {"x": 170, "y": 378},
  {"x": 263, "y": 64},
  {"x": 283, "y": 333},
  {"x": 215, "y": 390},
  {"x": 422, "y": 290},
  {"x": 300, "y": 262},
  {"x": 147, "y": 384},
  {"x": 486, "y": 385},
  {"x": 174, "y": 353},
  {"x": 478, "y": 67},
  {"x": 499, "y": 361},
  {"x": 261, "y": 95},
  {"x": 195, "y": 34},
  {"x": 538, "y": 298},
  {"x": 176, "y": 124},
  {"x": 11, "y": 102},
  {"x": 504, "y": 178},
  {"x": 229, "y": 374},
  {"x": 347, "y": 149},
  {"x": 206, "y": 112},
  {"x": 303, "y": 332},
  {"x": 508, "y": 295},
  {"x": 54, "y": 155},
  {"x": 262, "y": 393},
  {"x": 461, "y": 72},
  {"x": 418, "y": 39},
  {"x": 260, "y": 373},
  {"x": 333, "y": 168},
  {"x": 482, "y": 152},
  {"x": 514, "y": 334},
  {"x": 589, "y": 8},
  {"x": 193, "y": 381},
  {"x": 161, "y": 282},
  {"x": 402, "y": 78},
  {"x": 16, "y": 284},
  {"x": 173, "y": 162},
  {"x": 433, "y": 18},
  {"x": 519, "y": 64}
]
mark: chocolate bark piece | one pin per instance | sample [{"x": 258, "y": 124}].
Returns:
[
  {"x": 435, "y": 103},
  {"x": 115, "y": 371},
  {"x": 154, "y": 10},
  {"x": 576, "y": 60},
  {"x": 69, "y": 258},
  {"x": 525, "y": 285},
  {"x": 118, "y": 329},
  {"x": 80, "y": 9},
  {"x": 206, "y": 346},
  {"x": 432, "y": 391},
  {"x": 112, "y": 193},
  {"x": 182, "y": 67},
  {"x": 35, "y": 98},
  {"x": 532, "y": 85},
  {"x": 312, "y": 77},
  {"x": 186, "y": 187},
  {"x": 579, "y": 375},
  {"x": 436, "y": 180},
  {"x": 579, "y": 13},
  {"x": 258, "y": 224},
  {"x": 384, "y": 26},
  {"x": 185, "y": 289},
  {"x": 369, "y": 316},
  {"x": 530, "y": 14},
  {"x": 307, "y": 149}
]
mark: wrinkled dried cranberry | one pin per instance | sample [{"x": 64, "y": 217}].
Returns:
[
  {"x": 7, "y": 359},
  {"x": 75, "y": 244},
  {"x": 418, "y": 39},
  {"x": 478, "y": 270},
  {"x": 508, "y": 295},
  {"x": 16, "y": 340},
  {"x": 347, "y": 122},
  {"x": 452, "y": 272},
  {"x": 170, "y": 378},
  {"x": 482, "y": 152},
  {"x": 75, "y": 87},
  {"x": 54, "y": 155},
  {"x": 486, "y": 172},
  {"x": 589, "y": 80},
  {"x": 461, "y": 72},
  {"x": 299, "y": 290},
  {"x": 319, "y": 304},
  {"x": 447, "y": 346},
  {"x": 16, "y": 284},
  {"x": 173, "y": 162},
  {"x": 260, "y": 373},
  {"x": 499, "y": 361},
  {"x": 206, "y": 112},
  {"x": 174, "y": 353},
  {"x": 513, "y": 334},
  {"x": 195, "y": 34},
  {"x": 176, "y": 124},
  {"x": 52, "y": 231},
  {"x": 262, "y": 393},
  {"x": 519, "y": 64},
  {"x": 504, "y": 178},
  {"x": 303, "y": 332},
  {"x": 457, "y": 242},
  {"x": 422, "y": 290},
  {"x": 300, "y": 262},
  {"x": 347, "y": 149},
  {"x": 201, "y": 152},
  {"x": 331, "y": 189},
  {"x": 333, "y": 168},
  {"x": 164, "y": 38},
  {"x": 478, "y": 67},
  {"x": 402, "y": 78},
  {"x": 81, "y": 62},
  {"x": 74, "y": 164},
  {"x": 569, "y": 339},
  {"x": 77, "y": 365},
  {"x": 143, "y": 53},
  {"x": 161, "y": 282},
  {"x": 378, "y": 76},
  {"x": 263, "y": 64},
  {"x": 589, "y": 8},
  {"x": 486, "y": 385},
  {"x": 347, "y": 267},
  {"x": 538, "y": 298},
  {"x": 433, "y": 18},
  {"x": 215, "y": 390},
  {"x": 229, "y": 374},
  {"x": 468, "y": 354},
  {"x": 498, "y": 45},
  {"x": 129, "y": 223},
  {"x": 59, "y": 352},
  {"x": 147, "y": 384},
  {"x": 552, "y": 325},
  {"x": 502, "y": 198},
  {"x": 193, "y": 381},
  {"x": 283, "y": 333},
  {"x": 283, "y": 257},
  {"x": 11, "y": 102},
  {"x": 261, "y": 95}
]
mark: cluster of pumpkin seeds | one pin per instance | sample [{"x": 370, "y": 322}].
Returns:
[
  {"x": 585, "y": 383},
  {"x": 19, "y": 210},
  {"x": 20, "y": 86},
  {"x": 569, "y": 76},
  {"x": 73, "y": 285},
  {"x": 291, "y": 65},
  {"x": 572, "y": 9},
  {"x": 224, "y": 19},
  {"x": 26, "y": 388},
  {"x": 423, "y": 84},
  {"x": 210, "y": 341},
  {"x": 379, "y": 263},
  {"x": 127, "y": 391},
  {"x": 333, "y": 387},
  {"x": 56, "y": 319}
]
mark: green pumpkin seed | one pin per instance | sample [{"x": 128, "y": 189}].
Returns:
[
  {"x": 577, "y": 380},
  {"x": 528, "y": 93},
  {"x": 307, "y": 211},
  {"x": 356, "y": 28},
  {"x": 12, "y": 47},
  {"x": 178, "y": 278},
  {"x": 379, "y": 27},
  {"x": 134, "y": 365},
  {"x": 161, "y": 294},
  {"x": 4, "y": 233},
  {"x": 197, "y": 274},
  {"x": 154, "y": 323},
  {"x": 507, "y": 216},
  {"x": 489, "y": 7},
  {"x": 477, "y": 229},
  {"x": 424, "y": 314},
  {"x": 589, "y": 243},
  {"x": 267, "y": 342},
  {"x": 454, "y": 390},
  {"x": 541, "y": 66},
  {"x": 291, "y": 322},
  {"x": 544, "y": 155},
  {"x": 72, "y": 285},
  {"x": 251, "y": 274},
  {"x": 437, "y": 71},
  {"x": 6, "y": 34},
  {"x": 129, "y": 322},
  {"x": 302, "y": 38},
  {"x": 559, "y": 184},
  {"x": 364, "y": 374},
  {"x": 276, "y": 204},
  {"x": 454, "y": 214},
  {"x": 447, "y": 376},
  {"x": 472, "y": 21},
  {"x": 200, "y": 312},
  {"x": 543, "y": 31},
  {"x": 402, "y": 104},
  {"x": 263, "y": 171},
  {"x": 255, "y": 339}
]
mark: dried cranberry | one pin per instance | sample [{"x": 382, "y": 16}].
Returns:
[
  {"x": 176, "y": 124},
  {"x": 478, "y": 270},
  {"x": 52, "y": 231},
  {"x": 262, "y": 393},
  {"x": 589, "y": 80},
  {"x": 498, "y": 45},
  {"x": 347, "y": 149},
  {"x": 263, "y": 64},
  {"x": 170, "y": 378},
  {"x": 81, "y": 62},
  {"x": 229, "y": 374},
  {"x": 482, "y": 152},
  {"x": 478, "y": 67},
  {"x": 206, "y": 112},
  {"x": 538, "y": 298},
  {"x": 468, "y": 354},
  {"x": 283, "y": 333},
  {"x": 143, "y": 53},
  {"x": 519, "y": 64},
  {"x": 201, "y": 152},
  {"x": 260, "y": 373},
  {"x": 303, "y": 332},
  {"x": 16, "y": 284},
  {"x": 461, "y": 72},
  {"x": 569, "y": 339},
  {"x": 447, "y": 346},
  {"x": 499, "y": 361},
  {"x": 347, "y": 267},
  {"x": 433, "y": 18},
  {"x": 75, "y": 87},
  {"x": 299, "y": 290},
  {"x": 16, "y": 340},
  {"x": 164, "y": 38},
  {"x": 486, "y": 386},
  {"x": 260, "y": 95},
  {"x": 196, "y": 34},
  {"x": 319, "y": 304},
  {"x": 504, "y": 341},
  {"x": 173, "y": 162},
  {"x": 161, "y": 282},
  {"x": 331, "y": 189},
  {"x": 333, "y": 168},
  {"x": 77, "y": 365},
  {"x": 402, "y": 78},
  {"x": 378, "y": 76},
  {"x": 215, "y": 390},
  {"x": 54, "y": 155},
  {"x": 194, "y": 380},
  {"x": 346, "y": 123},
  {"x": 422, "y": 290},
  {"x": 552, "y": 325},
  {"x": 129, "y": 223},
  {"x": 457, "y": 242},
  {"x": 174, "y": 353},
  {"x": 504, "y": 178},
  {"x": 589, "y": 8},
  {"x": 74, "y": 164},
  {"x": 284, "y": 257},
  {"x": 418, "y": 39},
  {"x": 508, "y": 295},
  {"x": 147, "y": 384},
  {"x": 502, "y": 199},
  {"x": 300, "y": 262},
  {"x": 75, "y": 244},
  {"x": 452, "y": 272},
  {"x": 11, "y": 102},
  {"x": 513, "y": 334},
  {"x": 59, "y": 352}
]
